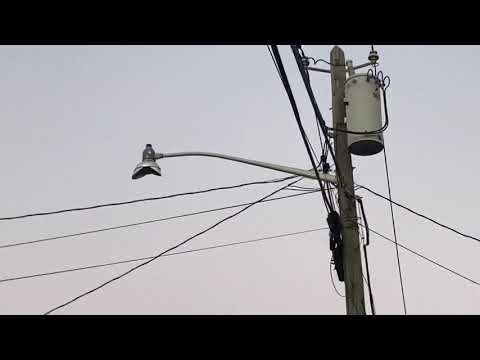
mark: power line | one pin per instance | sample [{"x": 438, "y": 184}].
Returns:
[
  {"x": 234, "y": 244},
  {"x": 418, "y": 214},
  {"x": 394, "y": 231},
  {"x": 293, "y": 104},
  {"x": 148, "y": 221},
  {"x": 168, "y": 250},
  {"x": 365, "y": 255},
  {"x": 331, "y": 278},
  {"x": 425, "y": 257},
  {"x": 367, "y": 282},
  {"x": 148, "y": 199},
  {"x": 316, "y": 109},
  {"x": 276, "y": 65},
  {"x": 15, "y": 278},
  {"x": 303, "y": 190},
  {"x": 283, "y": 76},
  {"x": 304, "y": 57}
]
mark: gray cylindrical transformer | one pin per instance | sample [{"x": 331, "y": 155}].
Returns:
[{"x": 363, "y": 114}]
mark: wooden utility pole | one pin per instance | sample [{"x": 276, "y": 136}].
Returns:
[{"x": 352, "y": 261}]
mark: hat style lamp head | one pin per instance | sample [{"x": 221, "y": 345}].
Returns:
[{"x": 148, "y": 164}]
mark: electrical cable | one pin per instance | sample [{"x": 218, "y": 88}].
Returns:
[
  {"x": 419, "y": 214},
  {"x": 146, "y": 222},
  {"x": 301, "y": 190},
  {"x": 330, "y": 196},
  {"x": 276, "y": 65},
  {"x": 168, "y": 250},
  {"x": 318, "y": 114},
  {"x": 316, "y": 120},
  {"x": 291, "y": 98},
  {"x": 362, "y": 238},
  {"x": 319, "y": 119},
  {"x": 233, "y": 244},
  {"x": 365, "y": 255},
  {"x": 331, "y": 278},
  {"x": 284, "y": 84},
  {"x": 306, "y": 188},
  {"x": 313, "y": 151},
  {"x": 325, "y": 61},
  {"x": 425, "y": 257},
  {"x": 15, "y": 278},
  {"x": 148, "y": 199},
  {"x": 394, "y": 231},
  {"x": 333, "y": 219},
  {"x": 324, "y": 156}
]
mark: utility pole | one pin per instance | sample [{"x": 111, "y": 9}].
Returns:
[{"x": 352, "y": 261}]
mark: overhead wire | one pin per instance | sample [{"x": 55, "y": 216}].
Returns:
[
  {"x": 147, "y": 199},
  {"x": 324, "y": 152},
  {"x": 418, "y": 214},
  {"x": 425, "y": 257},
  {"x": 168, "y": 250},
  {"x": 365, "y": 256},
  {"x": 363, "y": 241},
  {"x": 316, "y": 109},
  {"x": 293, "y": 104},
  {"x": 315, "y": 61},
  {"x": 394, "y": 232},
  {"x": 22, "y": 277},
  {"x": 276, "y": 65},
  {"x": 283, "y": 82},
  {"x": 148, "y": 221},
  {"x": 301, "y": 190},
  {"x": 436, "y": 263}
]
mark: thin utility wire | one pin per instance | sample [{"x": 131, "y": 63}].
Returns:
[
  {"x": 147, "y": 199},
  {"x": 300, "y": 190},
  {"x": 362, "y": 237},
  {"x": 234, "y": 244},
  {"x": 148, "y": 221},
  {"x": 303, "y": 188},
  {"x": 168, "y": 250},
  {"x": 316, "y": 109},
  {"x": 394, "y": 231},
  {"x": 365, "y": 256},
  {"x": 418, "y": 214},
  {"x": 426, "y": 258},
  {"x": 285, "y": 83},
  {"x": 316, "y": 120},
  {"x": 15, "y": 278},
  {"x": 293, "y": 104},
  {"x": 276, "y": 65}
]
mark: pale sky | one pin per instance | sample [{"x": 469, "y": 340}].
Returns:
[{"x": 76, "y": 118}]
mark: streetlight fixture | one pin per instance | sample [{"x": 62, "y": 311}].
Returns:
[{"x": 150, "y": 166}]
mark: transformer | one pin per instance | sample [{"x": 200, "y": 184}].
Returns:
[{"x": 363, "y": 114}]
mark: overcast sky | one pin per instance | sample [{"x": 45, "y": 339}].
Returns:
[{"x": 76, "y": 118}]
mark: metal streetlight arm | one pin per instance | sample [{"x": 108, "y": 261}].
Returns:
[{"x": 305, "y": 173}]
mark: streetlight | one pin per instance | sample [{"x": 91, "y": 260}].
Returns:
[{"x": 150, "y": 166}]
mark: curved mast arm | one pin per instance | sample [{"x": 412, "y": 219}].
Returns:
[{"x": 281, "y": 168}]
